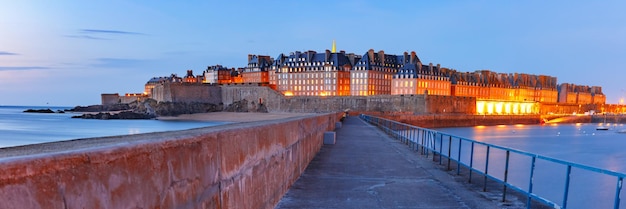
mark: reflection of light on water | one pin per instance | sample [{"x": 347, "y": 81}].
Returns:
[
  {"x": 134, "y": 131},
  {"x": 501, "y": 126}
]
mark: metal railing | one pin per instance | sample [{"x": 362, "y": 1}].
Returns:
[{"x": 427, "y": 141}]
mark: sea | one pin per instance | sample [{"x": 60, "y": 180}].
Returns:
[
  {"x": 579, "y": 143},
  {"x": 18, "y": 128}
]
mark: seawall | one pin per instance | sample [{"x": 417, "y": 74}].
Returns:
[
  {"x": 443, "y": 120},
  {"x": 245, "y": 165},
  {"x": 418, "y": 104}
]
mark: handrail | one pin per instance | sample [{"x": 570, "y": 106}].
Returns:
[{"x": 426, "y": 140}]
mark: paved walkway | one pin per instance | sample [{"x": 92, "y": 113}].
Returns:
[{"x": 368, "y": 169}]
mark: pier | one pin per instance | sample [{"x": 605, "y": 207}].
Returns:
[{"x": 368, "y": 169}]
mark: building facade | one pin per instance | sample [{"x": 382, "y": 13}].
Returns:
[
  {"x": 313, "y": 74},
  {"x": 372, "y": 74}
]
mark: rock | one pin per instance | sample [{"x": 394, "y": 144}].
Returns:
[
  {"x": 245, "y": 106},
  {"x": 121, "y": 115},
  {"x": 147, "y": 109},
  {"x": 39, "y": 111},
  {"x": 101, "y": 108}
]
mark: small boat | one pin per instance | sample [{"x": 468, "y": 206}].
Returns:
[
  {"x": 623, "y": 131},
  {"x": 602, "y": 128}
]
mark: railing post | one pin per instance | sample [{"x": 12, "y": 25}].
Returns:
[
  {"x": 486, "y": 169},
  {"x": 427, "y": 142},
  {"x": 449, "y": 150},
  {"x": 506, "y": 174},
  {"x": 440, "y": 148},
  {"x": 566, "y": 191},
  {"x": 471, "y": 162},
  {"x": 458, "y": 163},
  {"x": 618, "y": 189},
  {"x": 530, "y": 182}
]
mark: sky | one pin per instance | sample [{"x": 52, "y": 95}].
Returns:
[{"x": 68, "y": 52}]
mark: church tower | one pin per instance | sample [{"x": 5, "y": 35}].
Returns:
[{"x": 334, "y": 48}]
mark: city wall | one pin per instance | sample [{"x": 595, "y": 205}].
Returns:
[
  {"x": 414, "y": 104},
  {"x": 187, "y": 92},
  {"x": 450, "y": 120},
  {"x": 246, "y": 165}
]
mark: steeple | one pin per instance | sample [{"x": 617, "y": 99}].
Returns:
[{"x": 334, "y": 49}]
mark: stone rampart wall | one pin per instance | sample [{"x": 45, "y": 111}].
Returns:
[
  {"x": 247, "y": 165},
  {"x": 415, "y": 104},
  {"x": 450, "y": 120},
  {"x": 187, "y": 92}
]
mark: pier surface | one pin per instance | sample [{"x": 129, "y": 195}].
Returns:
[{"x": 368, "y": 169}]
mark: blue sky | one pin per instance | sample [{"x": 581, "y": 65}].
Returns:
[{"x": 69, "y": 52}]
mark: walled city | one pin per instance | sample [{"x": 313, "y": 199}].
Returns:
[{"x": 331, "y": 76}]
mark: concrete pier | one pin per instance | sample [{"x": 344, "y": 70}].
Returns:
[{"x": 368, "y": 169}]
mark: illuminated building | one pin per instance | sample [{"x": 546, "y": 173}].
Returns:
[
  {"x": 217, "y": 74},
  {"x": 415, "y": 78},
  {"x": 372, "y": 74},
  {"x": 257, "y": 69},
  {"x": 314, "y": 74},
  {"x": 190, "y": 78},
  {"x": 580, "y": 94},
  {"x": 156, "y": 80}
]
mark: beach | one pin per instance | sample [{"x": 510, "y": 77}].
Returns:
[{"x": 235, "y": 117}]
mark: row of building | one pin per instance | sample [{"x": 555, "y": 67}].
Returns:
[{"x": 334, "y": 73}]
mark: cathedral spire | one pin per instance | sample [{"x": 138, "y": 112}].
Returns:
[{"x": 334, "y": 49}]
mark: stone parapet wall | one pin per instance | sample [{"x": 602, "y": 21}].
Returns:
[
  {"x": 440, "y": 121},
  {"x": 246, "y": 165},
  {"x": 187, "y": 92},
  {"x": 418, "y": 104}
]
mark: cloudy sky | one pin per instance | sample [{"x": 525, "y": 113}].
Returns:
[{"x": 68, "y": 52}]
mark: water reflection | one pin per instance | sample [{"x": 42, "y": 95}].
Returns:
[{"x": 578, "y": 143}]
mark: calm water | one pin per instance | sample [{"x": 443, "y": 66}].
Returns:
[
  {"x": 578, "y": 143},
  {"x": 18, "y": 128}
]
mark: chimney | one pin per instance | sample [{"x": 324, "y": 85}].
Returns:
[
  {"x": 250, "y": 56},
  {"x": 327, "y": 55},
  {"x": 405, "y": 58},
  {"x": 342, "y": 52}
]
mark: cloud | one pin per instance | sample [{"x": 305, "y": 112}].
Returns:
[
  {"x": 7, "y": 53},
  {"x": 118, "y": 62},
  {"x": 22, "y": 68},
  {"x": 99, "y": 31},
  {"x": 87, "y": 37}
]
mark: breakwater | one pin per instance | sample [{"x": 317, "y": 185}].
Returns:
[
  {"x": 450, "y": 120},
  {"x": 246, "y": 165}
]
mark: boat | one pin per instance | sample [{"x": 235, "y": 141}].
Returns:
[
  {"x": 623, "y": 131},
  {"x": 602, "y": 128}
]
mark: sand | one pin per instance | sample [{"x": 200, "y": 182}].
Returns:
[{"x": 233, "y": 116}]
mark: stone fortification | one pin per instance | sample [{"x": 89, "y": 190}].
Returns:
[
  {"x": 414, "y": 104},
  {"x": 187, "y": 92},
  {"x": 247, "y": 165},
  {"x": 452, "y": 120}
]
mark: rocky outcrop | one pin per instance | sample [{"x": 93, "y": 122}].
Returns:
[
  {"x": 39, "y": 111},
  {"x": 179, "y": 108},
  {"x": 150, "y": 108},
  {"x": 245, "y": 106},
  {"x": 103, "y": 108},
  {"x": 121, "y": 115}
]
